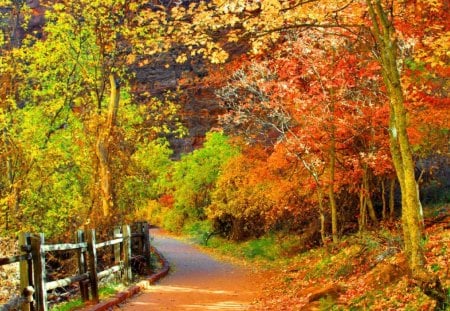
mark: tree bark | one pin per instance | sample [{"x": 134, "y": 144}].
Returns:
[
  {"x": 369, "y": 203},
  {"x": 322, "y": 215},
  {"x": 362, "y": 221},
  {"x": 383, "y": 200},
  {"x": 333, "y": 206},
  {"x": 392, "y": 199},
  {"x": 412, "y": 217},
  {"x": 400, "y": 147},
  {"x": 331, "y": 196},
  {"x": 102, "y": 149}
]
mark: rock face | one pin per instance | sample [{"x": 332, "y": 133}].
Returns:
[
  {"x": 200, "y": 106},
  {"x": 37, "y": 20},
  {"x": 13, "y": 20}
]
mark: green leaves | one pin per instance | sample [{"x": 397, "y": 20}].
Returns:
[
  {"x": 55, "y": 113},
  {"x": 195, "y": 175}
]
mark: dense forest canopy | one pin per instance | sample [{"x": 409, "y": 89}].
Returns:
[{"x": 326, "y": 107}]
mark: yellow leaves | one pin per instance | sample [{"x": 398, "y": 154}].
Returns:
[
  {"x": 257, "y": 47},
  {"x": 271, "y": 6},
  {"x": 233, "y": 37},
  {"x": 133, "y": 6},
  {"x": 434, "y": 5},
  {"x": 131, "y": 59},
  {"x": 219, "y": 57},
  {"x": 58, "y": 7},
  {"x": 181, "y": 58},
  {"x": 436, "y": 50},
  {"x": 233, "y": 6}
]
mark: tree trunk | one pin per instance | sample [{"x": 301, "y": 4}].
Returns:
[
  {"x": 322, "y": 215},
  {"x": 383, "y": 200},
  {"x": 315, "y": 175},
  {"x": 362, "y": 221},
  {"x": 333, "y": 206},
  {"x": 400, "y": 147},
  {"x": 412, "y": 217},
  {"x": 369, "y": 203},
  {"x": 102, "y": 147},
  {"x": 13, "y": 212},
  {"x": 392, "y": 199}
]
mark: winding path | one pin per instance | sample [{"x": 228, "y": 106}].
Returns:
[{"x": 196, "y": 282}]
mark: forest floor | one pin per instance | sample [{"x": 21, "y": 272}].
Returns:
[{"x": 365, "y": 271}]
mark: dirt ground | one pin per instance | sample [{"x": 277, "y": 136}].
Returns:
[{"x": 197, "y": 281}]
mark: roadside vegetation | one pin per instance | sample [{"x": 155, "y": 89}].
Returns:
[{"x": 363, "y": 271}]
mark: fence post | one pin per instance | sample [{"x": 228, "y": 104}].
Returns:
[
  {"x": 126, "y": 233},
  {"x": 117, "y": 246},
  {"x": 146, "y": 229},
  {"x": 92, "y": 253},
  {"x": 25, "y": 267},
  {"x": 39, "y": 271},
  {"x": 81, "y": 258}
]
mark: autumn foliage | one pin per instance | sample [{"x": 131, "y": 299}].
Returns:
[{"x": 333, "y": 117}]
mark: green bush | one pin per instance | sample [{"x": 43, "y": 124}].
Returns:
[
  {"x": 265, "y": 248},
  {"x": 173, "y": 220},
  {"x": 191, "y": 180}
]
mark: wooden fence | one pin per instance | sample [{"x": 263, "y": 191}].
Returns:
[{"x": 33, "y": 277}]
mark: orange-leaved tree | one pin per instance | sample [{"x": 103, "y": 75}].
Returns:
[{"x": 263, "y": 22}]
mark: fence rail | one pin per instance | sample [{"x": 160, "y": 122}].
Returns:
[{"x": 33, "y": 274}]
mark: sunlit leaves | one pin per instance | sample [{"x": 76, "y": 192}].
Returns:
[
  {"x": 193, "y": 177},
  {"x": 58, "y": 104}
]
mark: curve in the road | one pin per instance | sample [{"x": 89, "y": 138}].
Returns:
[{"x": 196, "y": 282}]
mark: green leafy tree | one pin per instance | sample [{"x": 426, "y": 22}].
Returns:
[
  {"x": 69, "y": 125},
  {"x": 193, "y": 178}
]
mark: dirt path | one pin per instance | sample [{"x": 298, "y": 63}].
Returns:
[{"x": 196, "y": 282}]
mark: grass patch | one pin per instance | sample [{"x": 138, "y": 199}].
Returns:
[
  {"x": 199, "y": 231},
  {"x": 104, "y": 292},
  {"x": 265, "y": 248},
  {"x": 328, "y": 304},
  {"x": 68, "y": 305},
  {"x": 109, "y": 289}
]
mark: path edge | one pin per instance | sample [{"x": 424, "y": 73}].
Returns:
[{"x": 120, "y": 297}]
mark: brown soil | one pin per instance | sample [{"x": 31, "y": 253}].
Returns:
[{"x": 197, "y": 281}]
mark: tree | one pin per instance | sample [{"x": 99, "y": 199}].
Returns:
[
  {"x": 192, "y": 178},
  {"x": 315, "y": 95},
  {"x": 263, "y": 22},
  {"x": 67, "y": 109}
]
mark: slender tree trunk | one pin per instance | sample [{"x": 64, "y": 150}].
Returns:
[
  {"x": 370, "y": 208},
  {"x": 392, "y": 199},
  {"x": 320, "y": 195},
  {"x": 362, "y": 221},
  {"x": 13, "y": 211},
  {"x": 333, "y": 205},
  {"x": 383, "y": 200},
  {"x": 322, "y": 216},
  {"x": 102, "y": 147}
]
